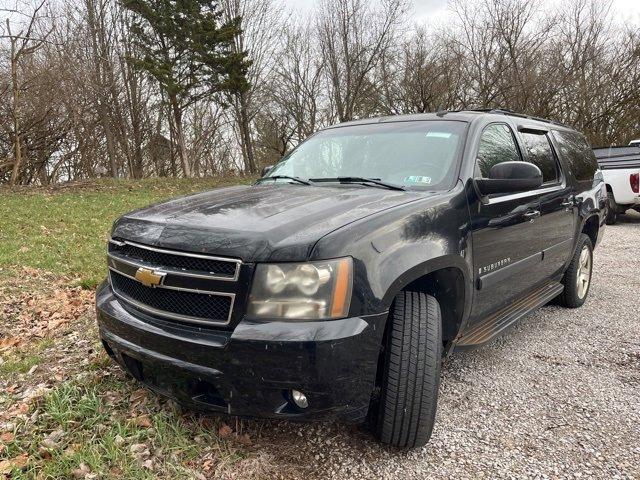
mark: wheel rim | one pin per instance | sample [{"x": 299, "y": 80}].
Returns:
[{"x": 584, "y": 272}]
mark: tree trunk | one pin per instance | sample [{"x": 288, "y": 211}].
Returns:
[
  {"x": 172, "y": 142},
  {"x": 111, "y": 151},
  {"x": 100, "y": 88},
  {"x": 182, "y": 148},
  {"x": 17, "y": 151},
  {"x": 136, "y": 126},
  {"x": 245, "y": 135}
]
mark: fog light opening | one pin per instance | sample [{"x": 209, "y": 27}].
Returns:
[{"x": 299, "y": 399}]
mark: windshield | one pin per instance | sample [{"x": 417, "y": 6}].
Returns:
[{"x": 411, "y": 154}]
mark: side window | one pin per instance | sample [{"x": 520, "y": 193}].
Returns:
[
  {"x": 497, "y": 145},
  {"x": 539, "y": 153},
  {"x": 575, "y": 150}
]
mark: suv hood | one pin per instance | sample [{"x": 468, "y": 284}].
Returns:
[{"x": 256, "y": 223}]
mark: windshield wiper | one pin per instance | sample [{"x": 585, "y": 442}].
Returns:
[
  {"x": 362, "y": 180},
  {"x": 284, "y": 177}
]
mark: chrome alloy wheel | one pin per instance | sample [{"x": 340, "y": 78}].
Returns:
[{"x": 584, "y": 272}]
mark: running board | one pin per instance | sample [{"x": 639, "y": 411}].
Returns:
[{"x": 497, "y": 322}]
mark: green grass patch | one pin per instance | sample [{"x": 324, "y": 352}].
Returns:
[
  {"x": 15, "y": 365},
  {"x": 66, "y": 231},
  {"x": 70, "y": 404},
  {"x": 103, "y": 435},
  {"x": 44, "y": 344}
]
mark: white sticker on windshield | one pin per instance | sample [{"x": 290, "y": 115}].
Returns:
[
  {"x": 417, "y": 179},
  {"x": 438, "y": 135}
]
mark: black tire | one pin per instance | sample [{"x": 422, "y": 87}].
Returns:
[
  {"x": 612, "y": 213},
  {"x": 571, "y": 297},
  {"x": 411, "y": 375}
]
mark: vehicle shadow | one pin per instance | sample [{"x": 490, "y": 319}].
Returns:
[{"x": 629, "y": 218}]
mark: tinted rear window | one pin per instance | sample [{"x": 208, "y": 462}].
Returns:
[{"x": 577, "y": 153}]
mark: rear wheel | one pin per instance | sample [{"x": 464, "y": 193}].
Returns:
[
  {"x": 577, "y": 278},
  {"x": 612, "y": 214},
  {"x": 411, "y": 375}
]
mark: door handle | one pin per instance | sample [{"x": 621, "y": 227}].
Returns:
[
  {"x": 532, "y": 215},
  {"x": 569, "y": 203}
]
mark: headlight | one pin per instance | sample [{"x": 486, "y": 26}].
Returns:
[{"x": 302, "y": 291}]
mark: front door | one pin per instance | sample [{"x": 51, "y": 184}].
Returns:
[{"x": 506, "y": 248}]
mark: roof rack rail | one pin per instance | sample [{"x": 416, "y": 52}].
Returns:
[
  {"x": 503, "y": 111},
  {"x": 511, "y": 113}
]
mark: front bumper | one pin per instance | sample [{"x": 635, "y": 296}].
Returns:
[{"x": 251, "y": 370}]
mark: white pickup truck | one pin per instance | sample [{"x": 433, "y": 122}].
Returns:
[{"x": 621, "y": 170}]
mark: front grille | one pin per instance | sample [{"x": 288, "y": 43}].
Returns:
[
  {"x": 177, "y": 304},
  {"x": 164, "y": 259}
]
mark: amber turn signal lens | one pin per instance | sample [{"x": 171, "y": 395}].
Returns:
[{"x": 342, "y": 289}]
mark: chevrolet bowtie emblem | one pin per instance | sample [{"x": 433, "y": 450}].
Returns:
[{"x": 149, "y": 278}]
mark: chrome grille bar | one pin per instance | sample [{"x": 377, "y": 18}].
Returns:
[
  {"x": 172, "y": 315},
  {"x": 236, "y": 262},
  {"x": 198, "y": 301}
]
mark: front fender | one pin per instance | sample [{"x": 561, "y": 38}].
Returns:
[
  {"x": 405, "y": 274},
  {"x": 398, "y": 246}
]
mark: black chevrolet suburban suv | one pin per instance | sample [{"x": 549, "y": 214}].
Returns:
[{"x": 334, "y": 286}]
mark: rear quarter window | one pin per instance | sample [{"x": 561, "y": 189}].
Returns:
[{"x": 577, "y": 153}]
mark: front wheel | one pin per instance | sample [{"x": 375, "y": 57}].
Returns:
[
  {"x": 577, "y": 278},
  {"x": 411, "y": 375}
]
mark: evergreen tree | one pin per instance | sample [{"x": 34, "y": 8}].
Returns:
[{"x": 188, "y": 48}]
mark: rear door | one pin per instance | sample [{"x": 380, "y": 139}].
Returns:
[{"x": 558, "y": 214}]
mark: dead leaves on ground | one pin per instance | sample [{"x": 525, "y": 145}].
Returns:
[
  {"x": 143, "y": 421},
  {"x": 138, "y": 397},
  {"x": 38, "y": 304},
  {"x": 227, "y": 433},
  {"x": 8, "y": 343},
  {"x": 17, "y": 410},
  {"x": 6, "y": 466}
]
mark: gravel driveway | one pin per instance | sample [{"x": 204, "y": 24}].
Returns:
[{"x": 558, "y": 396}]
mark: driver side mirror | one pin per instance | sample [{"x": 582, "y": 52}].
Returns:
[
  {"x": 266, "y": 170},
  {"x": 508, "y": 177}
]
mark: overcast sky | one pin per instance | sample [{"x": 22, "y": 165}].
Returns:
[{"x": 626, "y": 10}]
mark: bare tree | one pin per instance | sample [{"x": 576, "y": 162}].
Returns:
[
  {"x": 99, "y": 31},
  {"x": 298, "y": 88},
  {"x": 354, "y": 36},
  {"x": 258, "y": 36},
  {"x": 422, "y": 75},
  {"x": 132, "y": 111},
  {"x": 23, "y": 43}
]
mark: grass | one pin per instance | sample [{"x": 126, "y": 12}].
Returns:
[
  {"x": 103, "y": 438},
  {"x": 66, "y": 231},
  {"x": 19, "y": 365}
]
